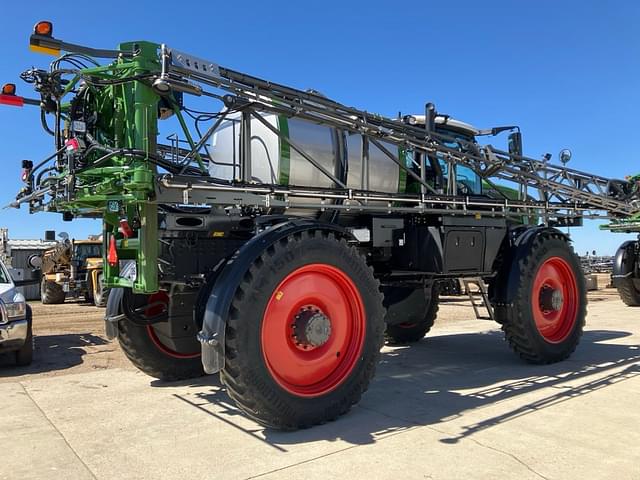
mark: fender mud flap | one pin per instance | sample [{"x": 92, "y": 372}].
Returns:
[{"x": 212, "y": 335}]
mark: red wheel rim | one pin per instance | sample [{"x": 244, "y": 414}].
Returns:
[
  {"x": 313, "y": 370},
  {"x": 162, "y": 297},
  {"x": 554, "y": 299}
]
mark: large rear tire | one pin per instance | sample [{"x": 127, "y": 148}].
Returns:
[
  {"x": 544, "y": 323},
  {"x": 304, "y": 332},
  {"x": 628, "y": 291},
  {"x": 418, "y": 323},
  {"x": 144, "y": 347},
  {"x": 51, "y": 293}
]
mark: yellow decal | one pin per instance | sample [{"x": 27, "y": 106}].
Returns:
[
  {"x": 279, "y": 295},
  {"x": 218, "y": 234},
  {"x": 45, "y": 50}
]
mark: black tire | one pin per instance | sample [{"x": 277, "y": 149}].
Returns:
[
  {"x": 248, "y": 375},
  {"x": 519, "y": 320},
  {"x": 51, "y": 293},
  {"x": 101, "y": 294},
  {"x": 418, "y": 323},
  {"x": 88, "y": 296},
  {"x": 628, "y": 291},
  {"x": 144, "y": 349},
  {"x": 24, "y": 356}
]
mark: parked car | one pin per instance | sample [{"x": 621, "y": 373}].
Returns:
[{"x": 15, "y": 320}]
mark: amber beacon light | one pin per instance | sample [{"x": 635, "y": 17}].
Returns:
[
  {"x": 42, "y": 40},
  {"x": 43, "y": 28}
]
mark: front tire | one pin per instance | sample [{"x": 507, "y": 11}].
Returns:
[
  {"x": 544, "y": 323},
  {"x": 100, "y": 293},
  {"x": 143, "y": 346},
  {"x": 304, "y": 332},
  {"x": 51, "y": 293}
]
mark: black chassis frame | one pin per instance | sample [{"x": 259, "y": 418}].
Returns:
[{"x": 198, "y": 244}]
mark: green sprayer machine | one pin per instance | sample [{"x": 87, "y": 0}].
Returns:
[{"x": 280, "y": 236}]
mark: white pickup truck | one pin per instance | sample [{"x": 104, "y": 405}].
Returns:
[{"x": 15, "y": 320}]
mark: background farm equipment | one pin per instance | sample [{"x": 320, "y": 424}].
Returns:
[{"x": 73, "y": 269}]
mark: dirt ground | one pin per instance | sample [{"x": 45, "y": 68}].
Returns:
[
  {"x": 460, "y": 394},
  {"x": 70, "y": 338}
]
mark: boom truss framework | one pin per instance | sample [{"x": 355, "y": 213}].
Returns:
[
  {"x": 559, "y": 192},
  {"x": 562, "y": 192}
]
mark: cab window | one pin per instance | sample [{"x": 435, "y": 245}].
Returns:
[{"x": 468, "y": 181}]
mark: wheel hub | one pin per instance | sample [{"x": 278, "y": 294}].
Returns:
[
  {"x": 551, "y": 299},
  {"x": 311, "y": 328}
]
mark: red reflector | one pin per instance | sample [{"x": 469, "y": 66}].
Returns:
[
  {"x": 112, "y": 256},
  {"x": 125, "y": 229},
  {"x": 72, "y": 144},
  {"x": 11, "y": 100}
]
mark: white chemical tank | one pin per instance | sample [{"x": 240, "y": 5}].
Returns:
[{"x": 274, "y": 161}]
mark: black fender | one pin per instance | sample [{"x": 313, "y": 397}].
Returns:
[
  {"x": 504, "y": 286},
  {"x": 625, "y": 261},
  {"x": 219, "y": 301}
]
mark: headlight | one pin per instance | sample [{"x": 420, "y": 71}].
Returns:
[{"x": 16, "y": 310}]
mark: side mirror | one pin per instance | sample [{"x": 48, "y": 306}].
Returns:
[
  {"x": 565, "y": 156},
  {"x": 515, "y": 144}
]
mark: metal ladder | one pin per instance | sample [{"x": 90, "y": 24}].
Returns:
[{"x": 475, "y": 302}]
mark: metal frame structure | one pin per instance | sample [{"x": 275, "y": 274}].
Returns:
[
  {"x": 121, "y": 179},
  {"x": 563, "y": 191}
]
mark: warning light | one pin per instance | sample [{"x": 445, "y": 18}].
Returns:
[
  {"x": 43, "y": 28},
  {"x": 125, "y": 229},
  {"x": 9, "y": 89},
  {"x": 42, "y": 40},
  {"x": 72, "y": 145},
  {"x": 9, "y": 97},
  {"x": 112, "y": 256},
  {"x": 27, "y": 166}
]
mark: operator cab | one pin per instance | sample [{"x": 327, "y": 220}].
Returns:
[
  {"x": 461, "y": 136},
  {"x": 458, "y": 136}
]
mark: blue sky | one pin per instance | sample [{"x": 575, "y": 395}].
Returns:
[{"x": 565, "y": 71}]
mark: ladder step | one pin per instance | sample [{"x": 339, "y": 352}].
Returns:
[{"x": 484, "y": 297}]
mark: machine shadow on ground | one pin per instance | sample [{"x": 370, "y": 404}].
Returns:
[
  {"x": 441, "y": 378},
  {"x": 52, "y": 352}
]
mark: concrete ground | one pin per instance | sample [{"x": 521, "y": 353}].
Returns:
[{"x": 456, "y": 405}]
